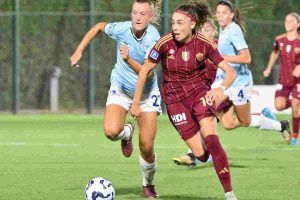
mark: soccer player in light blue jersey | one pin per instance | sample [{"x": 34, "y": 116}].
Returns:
[
  {"x": 234, "y": 49},
  {"x": 135, "y": 38}
]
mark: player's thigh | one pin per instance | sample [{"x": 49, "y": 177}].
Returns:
[
  {"x": 229, "y": 119},
  {"x": 243, "y": 113},
  {"x": 195, "y": 144},
  {"x": 220, "y": 100},
  {"x": 296, "y": 107},
  {"x": 147, "y": 125},
  {"x": 208, "y": 126},
  {"x": 114, "y": 118},
  {"x": 280, "y": 102}
]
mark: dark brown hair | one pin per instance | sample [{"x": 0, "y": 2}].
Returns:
[
  {"x": 237, "y": 17},
  {"x": 199, "y": 10}
]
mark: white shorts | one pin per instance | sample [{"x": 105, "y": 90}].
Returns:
[
  {"x": 150, "y": 101},
  {"x": 238, "y": 95}
]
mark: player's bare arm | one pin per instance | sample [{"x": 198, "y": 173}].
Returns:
[
  {"x": 230, "y": 75},
  {"x": 135, "y": 109},
  {"x": 243, "y": 57},
  {"x": 273, "y": 57},
  {"x": 133, "y": 64},
  {"x": 85, "y": 41}
]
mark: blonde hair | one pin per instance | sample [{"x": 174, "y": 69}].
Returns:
[
  {"x": 294, "y": 14},
  {"x": 155, "y": 7}
]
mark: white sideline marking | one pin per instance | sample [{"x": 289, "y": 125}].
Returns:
[{"x": 37, "y": 144}]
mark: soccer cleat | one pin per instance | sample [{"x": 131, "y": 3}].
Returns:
[
  {"x": 186, "y": 159},
  {"x": 285, "y": 131},
  {"x": 230, "y": 196},
  {"x": 149, "y": 192},
  {"x": 294, "y": 142},
  {"x": 268, "y": 113},
  {"x": 126, "y": 145}
]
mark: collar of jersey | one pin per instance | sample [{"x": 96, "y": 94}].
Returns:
[{"x": 136, "y": 37}]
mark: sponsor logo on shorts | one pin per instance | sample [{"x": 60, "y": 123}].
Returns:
[{"x": 179, "y": 119}]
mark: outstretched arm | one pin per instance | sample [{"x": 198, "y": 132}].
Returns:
[
  {"x": 85, "y": 41},
  {"x": 272, "y": 60},
  {"x": 135, "y": 108}
]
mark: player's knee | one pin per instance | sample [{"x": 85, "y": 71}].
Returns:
[
  {"x": 112, "y": 132},
  {"x": 146, "y": 148},
  {"x": 228, "y": 125},
  {"x": 245, "y": 123},
  {"x": 280, "y": 106}
]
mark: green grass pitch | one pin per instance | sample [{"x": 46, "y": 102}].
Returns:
[{"x": 52, "y": 157}]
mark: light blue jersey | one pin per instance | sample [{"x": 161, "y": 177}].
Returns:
[
  {"x": 231, "y": 41},
  {"x": 122, "y": 75}
]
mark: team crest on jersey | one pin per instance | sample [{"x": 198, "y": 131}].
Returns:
[
  {"x": 280, "y": 46},
  {"x": 154, "y": 54},
  {"x": 288, "y": 48},
  {"x": 199, "y": 56},
  {"x": 185, "y": 55}
]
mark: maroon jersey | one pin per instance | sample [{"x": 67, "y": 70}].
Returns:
[
  {"x": 183, "y": 65},
  {"x": 288, "y": 52}
]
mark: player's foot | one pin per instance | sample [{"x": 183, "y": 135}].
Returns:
[
  {"x": 285, "y": 131},
  {"x": 294, "y": 142},
  {"x": 230, "y": 196},
  {"x": 268, "y": 113},
  {"x": 187, "y": 159},
  {"x": 126, "y": 145},
  {"x": 149, "y": 192}
]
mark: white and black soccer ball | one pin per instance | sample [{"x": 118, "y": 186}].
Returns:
[{"x": 99, "y": 188}]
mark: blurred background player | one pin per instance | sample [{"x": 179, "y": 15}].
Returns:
[
  {"x": 287, "y": 46},
  {"x": 226, "y": 111},
  {"x": 139, "y": 36},
  {"x": 186, "y": 87}
]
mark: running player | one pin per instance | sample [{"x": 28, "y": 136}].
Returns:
[
  {"x": 140, "y": 36},
  {"x": 186, "y": 86},
  {"x": 287, "y": 46}
]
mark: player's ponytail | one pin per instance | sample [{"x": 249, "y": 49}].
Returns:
[
  {"x": 198, "y": 10},
  {"x": 297, "y": 16},
  {"x": 155, "y": 7},
  {"x": 237, "y": 17}
]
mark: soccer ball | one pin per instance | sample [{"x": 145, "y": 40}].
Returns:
[{"x": 99, "y": 188}]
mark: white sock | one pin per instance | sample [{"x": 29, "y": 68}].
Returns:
[
  {"x": 148, "y": 171},
  {"x": 125, "y": 134},
  {"x": 269, "y": 124},
  {"x": 189, "y": 151},
  {"x": 255, "y": 121}
]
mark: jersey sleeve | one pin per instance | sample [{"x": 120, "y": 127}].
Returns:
[
  {"x": 276, "y": 45},
  {"x": 238, "y": 40},
  {"x": 112, "y": 30},
  {"x": 214, "y": 55},
  {"x": 156, "y": 52}
]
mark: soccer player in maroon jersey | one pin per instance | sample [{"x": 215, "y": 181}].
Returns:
[
  {"x": 186, "y": 87},
  {"x": 287, "y": 47}
]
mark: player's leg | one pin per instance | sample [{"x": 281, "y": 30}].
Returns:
[
  {"x": 282, "y": 95},
  {"x": 296, "y": 114},
  {"x": 147, "y": 125},
  {"x": 212, "y": 142},
  {"x": 116, "y": 109}
]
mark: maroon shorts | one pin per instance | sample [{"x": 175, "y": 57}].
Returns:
[
  {"x": 186, "y": 114},
  {"x": 286, "y": 91}
]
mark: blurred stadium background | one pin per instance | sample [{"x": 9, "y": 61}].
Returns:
[{"x": 38, "y": 36}]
